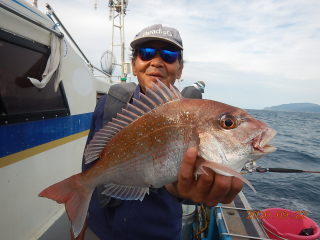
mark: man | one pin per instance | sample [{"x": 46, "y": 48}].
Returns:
[
  {"x": 194, "y": 91},
  {"x": 157, "y": 54}
]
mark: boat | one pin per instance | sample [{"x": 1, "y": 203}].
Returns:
[
  {"x": 43, "y": 130},
  {"x": 44, "y": 127}
]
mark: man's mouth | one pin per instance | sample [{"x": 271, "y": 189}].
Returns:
[{"x": 155, "y": 75}]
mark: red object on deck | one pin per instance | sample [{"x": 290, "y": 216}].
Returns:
[{"x": 288, "y": 224}]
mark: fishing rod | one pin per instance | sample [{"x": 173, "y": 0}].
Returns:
[
  {"x": 282, "y": 170},
  {"x": 252, "y": 167}
]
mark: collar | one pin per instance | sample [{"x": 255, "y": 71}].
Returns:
[{"x": 136, "y": 93}]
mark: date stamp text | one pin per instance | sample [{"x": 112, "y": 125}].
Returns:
[{"x": 280, "y": 215}]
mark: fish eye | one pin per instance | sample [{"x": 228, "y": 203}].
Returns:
[{"x": 229, "y": 121}]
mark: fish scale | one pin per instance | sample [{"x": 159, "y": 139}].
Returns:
[
  {"x": 144, "y": 147},
  {"x": 156, "y": 140},
  {"x": 148, "y": 172}
]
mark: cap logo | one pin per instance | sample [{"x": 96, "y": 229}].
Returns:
[{"x": 159, "y": 31}]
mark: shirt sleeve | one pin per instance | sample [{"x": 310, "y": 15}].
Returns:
[{"x": 180, "y": 200}]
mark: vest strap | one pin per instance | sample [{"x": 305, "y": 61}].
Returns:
[{"x": 118, "y": 97}]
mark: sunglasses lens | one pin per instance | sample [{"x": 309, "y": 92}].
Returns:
[
  {"x": 169, "y": 56},
  {"x": 147, "y": 54}
]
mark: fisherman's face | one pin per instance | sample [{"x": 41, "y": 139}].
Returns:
[{"x": 149, "y": 71}]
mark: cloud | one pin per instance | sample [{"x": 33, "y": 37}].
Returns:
[
  {"x": 261, "y": 53},
  {"x": 266, "y": 37},
  {"x": 249, "y": 90}
]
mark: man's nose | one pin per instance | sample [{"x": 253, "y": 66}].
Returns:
[{"x": 157, "y": 60}]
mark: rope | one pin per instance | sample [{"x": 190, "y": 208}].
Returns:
[
  {"x": 56, "y": 25},
  {"x": 205, "y": 218}
]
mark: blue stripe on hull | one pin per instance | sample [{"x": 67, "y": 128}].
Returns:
[
  {"x": 19, "y": 137},
  {"x": 19, "y": 3}
]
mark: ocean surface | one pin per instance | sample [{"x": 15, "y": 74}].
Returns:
[{"x": 298, "y": 147}]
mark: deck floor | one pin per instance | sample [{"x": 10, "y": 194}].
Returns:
[{"x": 61, "y": 230}]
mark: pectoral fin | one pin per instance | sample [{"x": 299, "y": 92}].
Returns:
[{"x": 219, "y": 168}]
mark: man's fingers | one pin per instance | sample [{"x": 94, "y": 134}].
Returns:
[
  {"x": 219, "y": 190},
  {"x": 186, "y": 174},
  {"x": 204, "y": 184},
  {"x": 236, "y": 187},
  {"x": 210, "y": 188}
]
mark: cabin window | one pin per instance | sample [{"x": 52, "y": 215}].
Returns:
[{"x": 20, "y": 100}]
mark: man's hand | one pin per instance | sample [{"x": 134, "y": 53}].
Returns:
[{"x": 209, "y": 189}]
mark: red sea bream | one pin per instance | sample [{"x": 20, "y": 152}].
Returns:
[{"x": 144, "y": 147}]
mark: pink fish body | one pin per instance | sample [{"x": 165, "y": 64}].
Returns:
[{"x": 144, "y": 147}]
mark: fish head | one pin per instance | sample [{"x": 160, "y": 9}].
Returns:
[{"x": 233, "y": 137}]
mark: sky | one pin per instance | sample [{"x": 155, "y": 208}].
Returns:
[{"x": 251, "y": 54}]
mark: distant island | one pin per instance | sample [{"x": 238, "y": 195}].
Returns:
[{"x": 296, "y": 107}]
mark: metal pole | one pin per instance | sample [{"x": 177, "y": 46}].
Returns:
[
  {"x": 68, "y": 34},
  {"x": 100, "y": 71},
  {"x": 35, "y": 3},
  {"x": 122, "y": 39},
  {"x": 64, "y": 29},
  {"x": 112, "y": 32}
]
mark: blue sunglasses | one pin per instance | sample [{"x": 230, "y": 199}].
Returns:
[{"x": 148, "y": 53}]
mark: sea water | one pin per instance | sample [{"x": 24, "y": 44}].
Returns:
[{"x": 298, "y": 147}]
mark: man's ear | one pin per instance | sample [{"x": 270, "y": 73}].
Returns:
[
  {"x": 179, "y": 72},
  {"x": 134, "y": 71}
]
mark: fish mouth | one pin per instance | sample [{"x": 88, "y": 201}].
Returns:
[{"x": 260, "y": 142}]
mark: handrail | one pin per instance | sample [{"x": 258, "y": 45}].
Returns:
[
  {"x": 29, "y": 19},
  {"x": 73, "y": 41},
  {"x": 68, "y": 34},
  {"x": 102, "y": 71}
]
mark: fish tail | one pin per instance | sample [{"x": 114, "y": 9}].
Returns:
[
  {"x": 75, "y": 196},
  {"x": 221, "y": 169}
]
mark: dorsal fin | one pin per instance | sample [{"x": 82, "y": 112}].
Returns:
[
  {"x": 160, "y": 94},
  {"x": 109, "y": 130},
  {"x": 106, "y": 132},
  {"x": 135, "y": 109},
  {"x": 124, "y": 118},
  {"x": 129, "y": 114},
  {"x": 141, "y": 105},
  {"x": 154, "y": 97},
  {"x": 166, "y": 90},
  {"x": 177, "y": 93},
  {"x": 116, "y": 126},
  {"x": 120, "y": 122},
  {"x": 147, "y": 101}
]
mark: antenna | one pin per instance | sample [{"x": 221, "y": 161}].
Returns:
[{"x": 120, "y": 7}]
